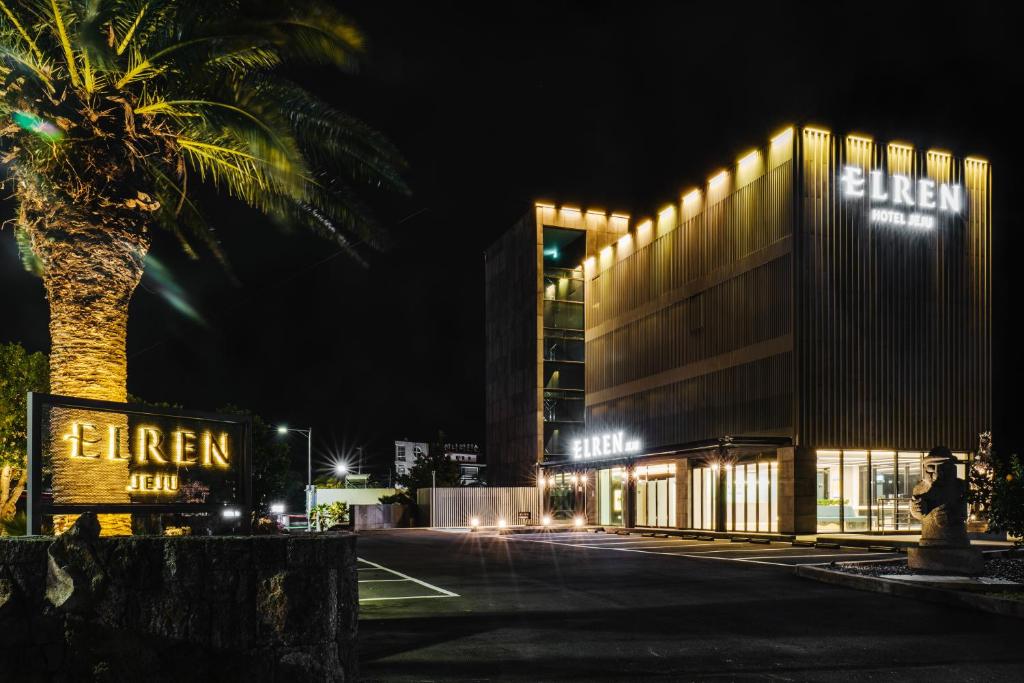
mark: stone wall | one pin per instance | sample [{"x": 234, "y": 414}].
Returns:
[{"x": 155, "y": 609}]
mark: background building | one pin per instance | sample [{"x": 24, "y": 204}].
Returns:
[
  {"x": 776, "y": 350},
  {"x": 406, "y": 453},
  {"x": 467, "y": 455}
]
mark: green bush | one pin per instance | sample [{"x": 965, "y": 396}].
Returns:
[
  {"x": 1007, "y": 513},
  {"x": 326, "y": 515}
]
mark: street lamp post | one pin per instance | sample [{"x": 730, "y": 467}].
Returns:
[{"x": 308, "y": 433}]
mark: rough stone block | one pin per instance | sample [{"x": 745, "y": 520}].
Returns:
[
  {"x": 965, "y": 561},
  {"x": 269, "y": 608}
]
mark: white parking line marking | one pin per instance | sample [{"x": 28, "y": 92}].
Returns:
[
  {"x": 704, "y": 556},
  {"x": 745, "y": 550},
  {"x": 673, "y": 546},
  {"x": 444, "y": 593},
  {"x": 407, "y": 597},
  {"x": 381, "y": 580},
  {"x": 770, "y": 557}
]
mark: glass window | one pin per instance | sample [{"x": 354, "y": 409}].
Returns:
[
  {"x": 883, "y": 490},
  {"x": 702, "y": 498},
  {"x": 908, "y": 474},
  {"x": 609, "y": 495},
  {"x": 751, "y": 521},
  {"x": 828, "y": 479},
  {"x": 751, "y": 496},
  {"x": 856, "y": 496},
  {"x": 739, "y": 477},
  {"x": 764, "y": 515}
]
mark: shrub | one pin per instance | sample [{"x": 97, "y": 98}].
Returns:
[
  {"x": 1007, "y": 512},
  {"x": 327, "y": 515}
]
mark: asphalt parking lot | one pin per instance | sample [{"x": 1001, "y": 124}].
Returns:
[{"x": 557, "y": 606}]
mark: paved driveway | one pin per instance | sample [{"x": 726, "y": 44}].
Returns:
[{"x": 602, "y": 607}]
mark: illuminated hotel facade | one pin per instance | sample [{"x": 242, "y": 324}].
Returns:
[{"x": 772, "y": 353}]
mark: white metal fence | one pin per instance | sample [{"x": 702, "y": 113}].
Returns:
[{"x": 490, "y": 505}]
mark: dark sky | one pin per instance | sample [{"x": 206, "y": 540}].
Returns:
[{"x": 616, "y": 105}]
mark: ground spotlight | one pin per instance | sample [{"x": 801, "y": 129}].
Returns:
[
  {"x": 474, "y": 522},
  {"x": 578, "y": 521},
  {"x": 501, "y": 523},
  {"x": 546, "y": 520}
]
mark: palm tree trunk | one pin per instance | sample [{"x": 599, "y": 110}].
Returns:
[
  {"x": 89, "y": 281},
  {"x": 90, "y": 274}
]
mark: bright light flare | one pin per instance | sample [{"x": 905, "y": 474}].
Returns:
[
  {"x": 577, "y": 521},
  {"x": 277, "y": 508},
  {"x": 474, "y": 522},
  {"x": 546, "y": 520},
  {"x": 38, "y": 125},
  {"x": 159, "y": 279},
  {"x": 502, "y": 523}
]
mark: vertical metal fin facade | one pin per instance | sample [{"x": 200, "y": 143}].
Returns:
[
  {"x": 689, "y": 321},
  {"x": 894, "y": 321}
]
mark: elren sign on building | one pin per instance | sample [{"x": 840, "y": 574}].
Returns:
[
  {"x": 606, "y": 445},
  {"x": 900, "y": 200},
  {"x": 108, "y": 457}
]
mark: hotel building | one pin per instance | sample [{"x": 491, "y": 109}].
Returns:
[{"x": 773, "y": 352}]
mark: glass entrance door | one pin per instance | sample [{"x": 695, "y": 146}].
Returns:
[
  {"x": 610, "y": 495},
  {"x": 656, "y": 495}
]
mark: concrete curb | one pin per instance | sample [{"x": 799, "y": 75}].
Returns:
[{"x": 942, "y": 596}]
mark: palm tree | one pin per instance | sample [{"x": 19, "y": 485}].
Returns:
[{"x": 113, "y": 111}]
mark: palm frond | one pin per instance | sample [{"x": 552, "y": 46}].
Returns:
[
  {"x": 21, "y": 62},
  {"x": 115, "y": 99},
  {"x": 129, "y": 32},
  {"x": 60, "y": 28},
  {"x": 13, "y": 19}
]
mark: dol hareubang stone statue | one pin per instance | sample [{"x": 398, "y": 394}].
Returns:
[{"x": 939, "y": 500}]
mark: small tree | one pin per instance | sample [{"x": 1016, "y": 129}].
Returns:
[
  {"x": 20, "y": 373},
  {"x": 1007, "y": 511},
  {"x": 435, "y": 466},
  {"x": 271, "y": 459},
  {"x": 981, "y": 479}
]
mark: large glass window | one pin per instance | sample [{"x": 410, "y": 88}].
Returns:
[
  {"x": 751, "y": 496},
  {"x": 860, "y": 490}
]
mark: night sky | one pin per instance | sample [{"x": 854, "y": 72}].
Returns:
[{"x": 612, "y": 105}]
